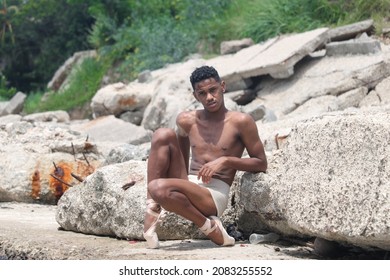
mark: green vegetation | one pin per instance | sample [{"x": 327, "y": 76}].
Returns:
[
  {"x": 267, "y": 19},
  {"x": 264, "y": 19},
  {"x": 82, "y": 85},
  {"x": 154, "y": 33},
  {"x": 133, "y": 35},
  {"x": 5, "y": 91}
]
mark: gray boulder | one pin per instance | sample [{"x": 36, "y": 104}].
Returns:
[
  {"x": 41, "y": 160},
  {"x": 112, "y": 202},
  {"x": 27, "y": 166},
  {"x": 116, "y": 99},
  {"x": 111, "y": 129},
  {"x": 13, "y": 106},
  {"x": 331, "y": 179}
]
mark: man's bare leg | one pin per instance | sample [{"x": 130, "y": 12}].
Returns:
[
  {"x": 165, "y": 161},
  {"x": 190, "y": 201},
  {"x": 168, "y": 185}
]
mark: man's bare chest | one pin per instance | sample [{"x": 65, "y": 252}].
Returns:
[{"x": 215, "y": 139}]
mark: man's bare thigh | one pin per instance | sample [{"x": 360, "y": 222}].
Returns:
[{"x": 199, "y": 196}]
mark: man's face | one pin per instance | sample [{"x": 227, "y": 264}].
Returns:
[{"x": 209, "y": 92}]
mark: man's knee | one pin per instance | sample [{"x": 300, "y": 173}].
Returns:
[
  {"x": 155, "y": 188},
  {"x": 163, "y": 136}
]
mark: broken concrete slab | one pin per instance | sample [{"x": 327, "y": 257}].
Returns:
[
  {"x": 284, "y": 53},
  {"x": 227, "y": 64},
  {"x": 315, "y": 107},
  {"x": 276, "y": 56},
  {"x": 364, "y": 45},
  {"x": 322, "y": 76},
  {"x": 352, "y": 98},
  {"x": 371, "y": 99},
  {"x": 351, "y": 30}
]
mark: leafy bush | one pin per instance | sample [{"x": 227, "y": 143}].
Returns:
[
  {"x": 356, "y": 10},
  {"x": 155, "y": 33},
  {"x": 264, "y": 19},
  {"x": 46, "y": 33},
  {"x": 261, "y": 20},
  {"x": 33, "y": 102},
  {"x": 162, "y": 42}
]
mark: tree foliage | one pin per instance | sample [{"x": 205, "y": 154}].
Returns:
[
  {"x": 152, "y": 33},
  {"x": 46, "y": 32}
]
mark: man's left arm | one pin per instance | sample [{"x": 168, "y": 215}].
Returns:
[{"x": 257, "y": 161}]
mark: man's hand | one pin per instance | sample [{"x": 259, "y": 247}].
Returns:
[{"x": 209, "y": 169}]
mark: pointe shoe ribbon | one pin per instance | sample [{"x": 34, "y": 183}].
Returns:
[
  {"x": 150, "y": 235},
  {"x": 207, "y": 229}
]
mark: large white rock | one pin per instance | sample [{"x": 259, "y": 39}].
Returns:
[
  {"x": 31, "y": 152},
  {"x": 118, "y": 98},
  {"x": 111, "y": 129},
  {"x": 331, "y": 179},
  {"x": 101, "y": 206}
]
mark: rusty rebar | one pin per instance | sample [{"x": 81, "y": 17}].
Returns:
[
  {"x": 85, "y": 157},
  {"x": 60, "y": 180},
  {"x": 78, "y": 178},
  {"x": 74, "y": 152}
]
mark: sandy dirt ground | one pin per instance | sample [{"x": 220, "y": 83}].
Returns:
[{"x": 30, "y": 231}]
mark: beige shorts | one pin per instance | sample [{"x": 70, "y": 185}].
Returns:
[{"x": 219, "y": 191}]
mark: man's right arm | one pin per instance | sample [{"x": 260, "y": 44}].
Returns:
[{"x": 184, "y": 141}]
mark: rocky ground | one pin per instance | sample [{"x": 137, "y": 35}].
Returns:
[{"x": 30, "y": 231}]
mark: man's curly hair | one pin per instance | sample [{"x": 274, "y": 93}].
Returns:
[{"x": 203, "y": 73}]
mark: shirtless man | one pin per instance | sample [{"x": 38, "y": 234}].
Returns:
[{"x": 199, "y": 191}]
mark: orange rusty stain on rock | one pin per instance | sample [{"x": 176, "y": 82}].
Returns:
[
  {"x": 63, "y": 171},
  {"x": 129, "y": 101},
  {"x": 36, "y": 185},
  {"x": 83, "y": 169}
]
